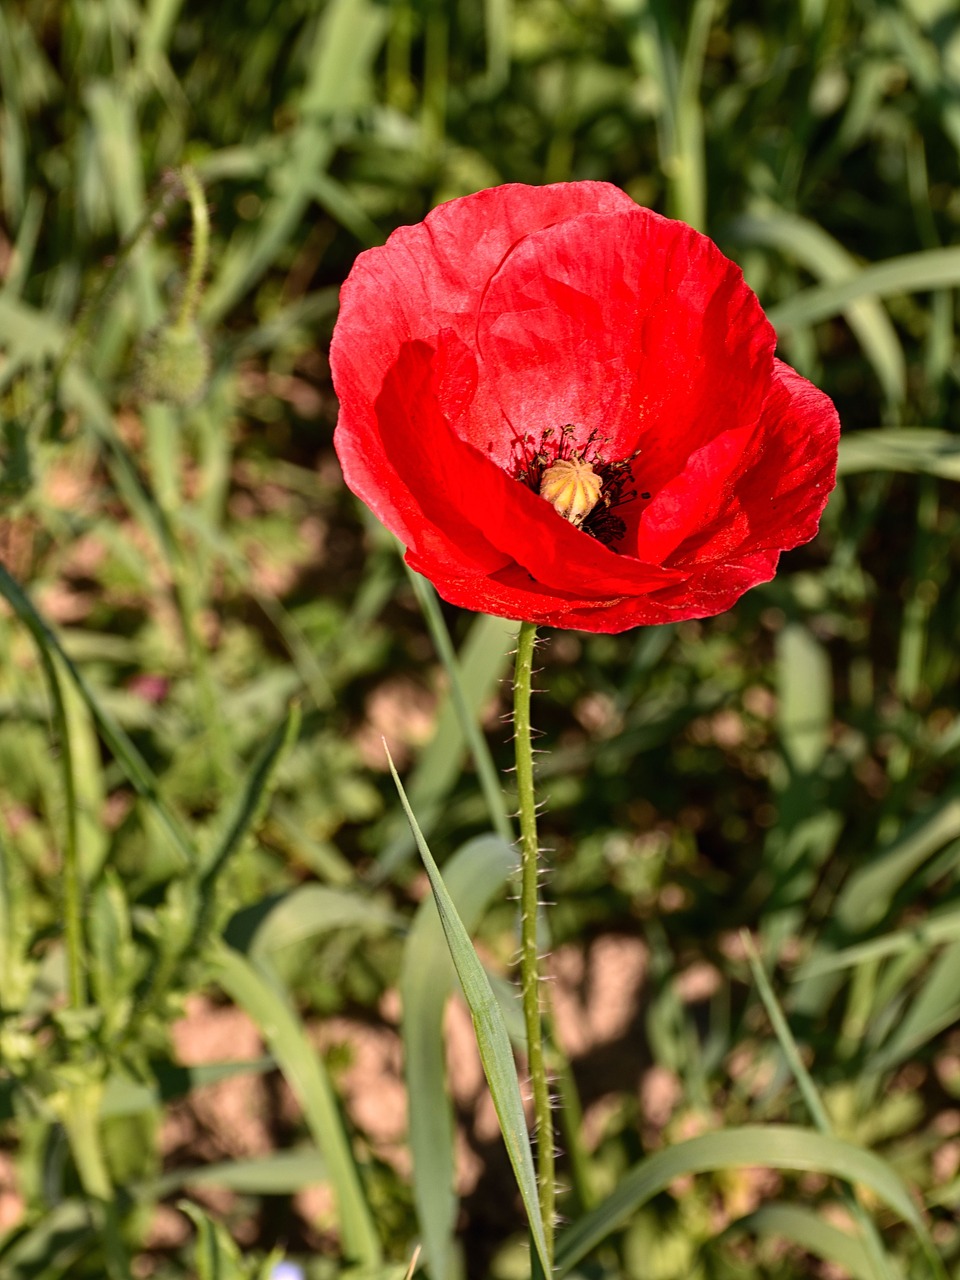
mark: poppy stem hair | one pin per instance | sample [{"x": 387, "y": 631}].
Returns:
[
  {"x": 529, "y": 902},
  {"x": 199, "y": 249}
]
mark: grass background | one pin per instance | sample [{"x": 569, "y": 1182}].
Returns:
[{"x": 790, "y": 767}]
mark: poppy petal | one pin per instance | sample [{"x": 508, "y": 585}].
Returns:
[{"x": 627, "y": 325}]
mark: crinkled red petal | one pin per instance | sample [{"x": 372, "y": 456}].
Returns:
[
  {"x": 511, "y": 593},
  {"x": 629, "y": 326},
  {"x": 776, "y": 494}
]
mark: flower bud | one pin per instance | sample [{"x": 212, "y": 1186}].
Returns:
[
  {"x": 572, "y": 488},
  {"x": 173, "y": 365}
]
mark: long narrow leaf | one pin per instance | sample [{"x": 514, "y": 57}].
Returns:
[
  {"x": 810, "y": 1230},
  {"x": 866, "y": 896},
  {"x": 281, "y": 1174},
  {"x": 480, "y": 663},
  {"x": 880, "y": 1263},
  {"x": 137, "y": 770},
  {"x": 346, "y": 43},
  {"x": 467, "y": 697},
  {"x": 931, "y": 269},
  {"x": 921, "y": 450},
  {"x": 769, "y": 1146},
  {"x": 492, "y": 1039},
  {"x": 924, "y": 935},
  {"x": 474, "y": 875},
  {"x": 309, "y": 911},
  {"x": 244, "y": 811},
  {"x": 935, "y": 1007},
  {"x": 241, "y": 815},
  {"x": 270, "y": 1008},
  {"x": 826, "y": 258},
  {"x": 53, "y": 1245},
  {"x": 123, "y": 1096}
]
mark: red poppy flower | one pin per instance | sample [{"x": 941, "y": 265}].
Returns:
[{"x": 568, "y": 409}]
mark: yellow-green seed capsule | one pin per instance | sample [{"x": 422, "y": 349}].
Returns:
[
  {"x": 572, "y": 488},
  {"x": 173, "y": 365}
]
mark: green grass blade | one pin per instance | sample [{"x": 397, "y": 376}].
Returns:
[
  {"x": 810, "y": 1231},
  {"x": 343, "y": 207},
  {"x": 913, "y": 449},
  {"x": 123, "y": 1096},
  {"x": 805, "y": 700},
  {"x": 498, "y": 17},
  {"x": 82, "y": 394},
  {"x": 492, "y": 1039},
  {"x": 347, "y": 41},
  {"x": 89, "y": 782},
  {"x": 935, "y": 1007},
  {"x": 215, "y": 1253},
  {"x": 784, "y": 1035},
  {"x": 474, "y": 875},
  {"x": 153, "y": 35},
  {"x": 29, "y": 335},
  {"x": 282, "y": 1174},
  {"x": 120, "y": 150},
  {"x": 481, "y": 664},
  {"x": 16, "y": 932},
  {"x": 769, "y": 1146},
  {"x": 254, "y": 990},
  {"x": 867, "y": 895},
  {"x": 55, "y": 1243},
  {"x": 823, "y": 256},
  {"x": 28, "y": 233},
  {"x": 923, "y": 936},
  {"x": 247, "y": 806},
  {"x": 880, "y": 1264},
  {"x": 930, "y": 269},
  {"x": 307, "y": 912},
  {"x": 689, "y": 174},
  {"x": 137, "y": 770},
  {"x": 73, "y": 906},
  {"x": 249, "y": 255},
  {"x": 468, "y": 691},
  {"x": 240, "y": 816}
]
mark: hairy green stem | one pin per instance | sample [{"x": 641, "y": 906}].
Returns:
[
  {"x": 529, "y": 903},
  {"x": 200, "y": 249}
]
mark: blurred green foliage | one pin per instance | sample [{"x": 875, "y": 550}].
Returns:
[{"x": 196, "y": 570}]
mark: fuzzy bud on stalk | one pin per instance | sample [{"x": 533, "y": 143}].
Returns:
[
  {"x": 173, "y": 363},
  {"x": 173, "y": 366}
]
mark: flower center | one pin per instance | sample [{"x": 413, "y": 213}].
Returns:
[
  {"x": 579, "y": 483},
  {"x": 572, "y": 487}
]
